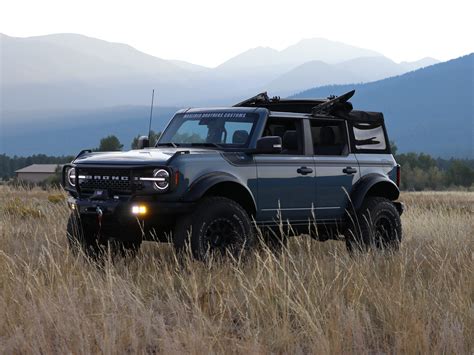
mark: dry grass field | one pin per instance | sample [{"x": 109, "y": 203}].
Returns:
[{"x": 313, "y": 298}]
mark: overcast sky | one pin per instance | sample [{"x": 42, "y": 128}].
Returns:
[{"x": 208, "y": 32}]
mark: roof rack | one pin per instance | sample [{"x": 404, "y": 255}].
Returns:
[
  {"x": 338, "y": 106},
  {"x": 309, "y": 106}
]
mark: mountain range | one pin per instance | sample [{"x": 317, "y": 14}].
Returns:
[
  {"x": 57, "y": 86},
  {"x": 71, "y": 71}
]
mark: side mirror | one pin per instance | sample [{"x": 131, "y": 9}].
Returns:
[
  {"x": 143, "y": 142},
  {"x": 269, "y": 145}
]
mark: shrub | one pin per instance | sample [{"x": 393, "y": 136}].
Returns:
[
  {"x": 19, "y": 208},
  {"x": 56, "y": 198}
]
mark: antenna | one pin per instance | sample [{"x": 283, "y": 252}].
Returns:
[{"x": 151, "y": 114}]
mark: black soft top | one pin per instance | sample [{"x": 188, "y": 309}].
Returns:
[
  {"x": 333, "y": 106},
  {"x": 365, "y": 117}
]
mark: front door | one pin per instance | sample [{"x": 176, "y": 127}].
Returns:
[{"x": 286, "y": 185}]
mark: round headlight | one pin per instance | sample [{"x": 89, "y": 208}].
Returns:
[
  {"x": 71, "y": 177},
  {"x": 164, "y": 179}
]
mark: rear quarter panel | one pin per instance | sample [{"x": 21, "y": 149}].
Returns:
[{"x": 384, "y": 164}]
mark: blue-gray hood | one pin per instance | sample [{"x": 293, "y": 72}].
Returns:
[{"x": 135, "y": 157}]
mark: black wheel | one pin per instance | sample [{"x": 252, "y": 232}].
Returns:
[
  {"x": 217, "y": 225},
  {"x": 376, "y": 225},
  {"x": 83, "y": 237}
]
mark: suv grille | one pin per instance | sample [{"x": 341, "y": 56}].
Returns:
[{"x": 119, "y": 181}]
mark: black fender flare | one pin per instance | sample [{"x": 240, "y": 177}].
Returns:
[
  {"x": 376, "y": 184},
  {"x": 204, "y": 183}
]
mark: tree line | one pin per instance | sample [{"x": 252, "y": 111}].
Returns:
[
  {"x": 112, "y": 143},
  {"x": 423, "y": 172},
  {"x": 420, "y": 171}
]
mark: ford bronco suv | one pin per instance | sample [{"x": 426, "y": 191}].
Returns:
[{"x": 223, "y": 179}]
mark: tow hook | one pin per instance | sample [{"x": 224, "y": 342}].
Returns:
[{"x": 100, "y": 214}]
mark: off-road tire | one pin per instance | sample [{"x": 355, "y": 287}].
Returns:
[
  {"x": 218, "y": 225},
  {"x": 376, "y": 225},
  {"x": 82, "y": 237}
]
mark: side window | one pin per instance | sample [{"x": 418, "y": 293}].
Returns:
[
  {"x": 329, "y": 137},
  {"x": 237, "y": 132},
  {"x": 291, "y": 134},
  {"x": 369, "y": 137}
]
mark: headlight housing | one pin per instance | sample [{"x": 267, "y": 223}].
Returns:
[
  {"x": 161, "y": 179},
  {"x": 71, "y": 177}
]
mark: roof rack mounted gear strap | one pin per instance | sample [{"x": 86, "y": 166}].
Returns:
[
  {"x": 334, "y": 104},
  {"x": 262, "y": 97}
]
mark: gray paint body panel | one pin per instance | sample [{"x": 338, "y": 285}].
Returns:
[
  {"x": 377, "y": 163},
  {"x": 333, "y": 186},
  {"x": 282, "y": 192}
]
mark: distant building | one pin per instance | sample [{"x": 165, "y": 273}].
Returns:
[{"x": 36, "y": 172}]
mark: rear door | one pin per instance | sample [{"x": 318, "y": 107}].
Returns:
[
  {"x": 286, "y": 181},
  {"x": 337, "y": 169},
  {"x": 371, "y": 146}
]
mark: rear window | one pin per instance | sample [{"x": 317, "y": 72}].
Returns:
[{"x": 369, "y": 137}]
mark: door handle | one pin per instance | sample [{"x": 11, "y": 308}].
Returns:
[
  {"x": 304, "y": 170},
  {"x": 349, "y": 170}
]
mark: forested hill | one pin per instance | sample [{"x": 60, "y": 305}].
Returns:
[{"x": 428, "y": 110}]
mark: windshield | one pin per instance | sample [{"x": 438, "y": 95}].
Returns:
[{"x": 219, "y": 129}]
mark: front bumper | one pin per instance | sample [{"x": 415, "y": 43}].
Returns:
[{"x": 158, "y": 212}]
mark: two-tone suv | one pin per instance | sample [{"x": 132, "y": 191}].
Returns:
[{"x": 217, "y": 177}]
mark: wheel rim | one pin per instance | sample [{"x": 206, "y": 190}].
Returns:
[{"x": 221, "y": 234}]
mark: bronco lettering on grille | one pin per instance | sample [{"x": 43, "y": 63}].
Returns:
[{"x": 99, "y": 177}]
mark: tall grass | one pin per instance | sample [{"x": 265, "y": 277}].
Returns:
[{"x": 312, "y": 298}]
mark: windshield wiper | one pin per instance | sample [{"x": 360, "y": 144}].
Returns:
[{"x": 167, "y": 144}]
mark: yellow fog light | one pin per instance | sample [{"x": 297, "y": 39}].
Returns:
[{"x": 139, "y": 210}]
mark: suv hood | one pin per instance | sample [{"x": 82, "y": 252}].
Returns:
[{"x": 136, "y": 157}]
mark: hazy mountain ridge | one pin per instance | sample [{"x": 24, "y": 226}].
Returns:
[
  {"x": 84, "y": 57},
  {"x": 331, "y": 52},
  {"x": 76, "y": 71},
  {"x": 306, "y": 50},
  {"x": 421, "y": 63},
  {"x": 313, "y": 73}
]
